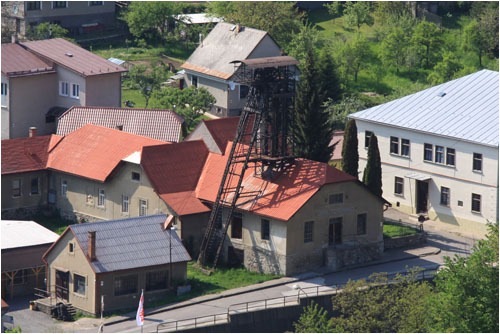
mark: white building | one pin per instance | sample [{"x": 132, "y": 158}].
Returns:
[{"x": 439, "y": 150}]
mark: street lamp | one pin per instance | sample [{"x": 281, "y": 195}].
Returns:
[
  {"x": 172, "y": 229},
  {"x": 297, "y": 287}
]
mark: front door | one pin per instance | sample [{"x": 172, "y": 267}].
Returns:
[
  {"x": 335, "y": 231},
  {"x": 62, "y": 284},
  {"x": 422, "y": 196}
]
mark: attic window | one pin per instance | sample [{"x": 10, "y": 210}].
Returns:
[
  {"x": 441, "y": 94},
  {"x": 69, "y": 54},
  {"x": 71, "y": 247},
  {"x": 136, "y": 176}
]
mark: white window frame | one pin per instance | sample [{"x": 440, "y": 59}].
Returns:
[
  {"x": 125, "y": 204},
  {"x": 63, "y": 88},
  {"x": 448, "y": 154},
  {"x": 402, "y": 186},
  {"x": 75, "y": 96},
  {"x": 101, "y": 197},
  {"x": 64, "y": 188},
  {"x": 394, "y": 142},
  {"x": 472, "y": 203},
  {"x": 442, "y": 191},
  {"x": 480, "y": 161},
  {"x": 409, "y": 148},
  {"x": 143, "y": 207}
]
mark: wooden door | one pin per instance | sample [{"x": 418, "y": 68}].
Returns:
[{"x": 62, "y": 284}]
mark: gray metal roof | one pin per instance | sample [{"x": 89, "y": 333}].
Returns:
[
  {"x": 468, "y": 110},
  {"x": 131, "y": 243},
  {"x": 223, "y": 45}
]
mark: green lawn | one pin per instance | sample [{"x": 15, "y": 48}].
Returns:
[
  {"x": 397, "y": 230},
  {"x": 133, "y": 95},
  {"x": 53, "y": 223}
]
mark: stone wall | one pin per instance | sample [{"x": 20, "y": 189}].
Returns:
[
  {"x": 264, "y": 261},
  {"x": 26, "y": 213},
  {"x": 345, "y": 255},
  {"x": 405, "y": 241}
]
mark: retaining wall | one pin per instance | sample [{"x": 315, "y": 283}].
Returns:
[{"x": 405, "y": 241}]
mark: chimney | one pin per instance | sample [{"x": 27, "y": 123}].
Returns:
[
  {"x": 238, "y": 29},
  {"x": 91, "y": 249},
  {"x": 14, "y": 38},
  {"x": 32, "y": 131}
]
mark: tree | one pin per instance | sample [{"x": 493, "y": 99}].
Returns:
[
  {"x": 372, "y": 175},
  {"x": 486, "y": 15},
  {"x": 191, "y": 103},
  {"x": 313, "y": 320},
  {"x": 390, "y": 11},
  {"x": 446, "y": 70},
  {"x": 306, "y": 39},
  {"x": 151, "y": 19},
  {"x": 467, "y": 290},
  {"x": 47, "y": 30},
  {"x": 280, "y": 19},
  {"x": 328, "y": 76},
  {"x": 354, "y": 54},
  {"x": 475, "y": 40},
  {"x": 427, "y": 34},
  {"x": 393, "y": 49},
  {"x": 358, "y": 13},
  {"x": 350, "y": 156},
  {"x": 148, "y": 81},
  {"x": 313, "y": 131}
]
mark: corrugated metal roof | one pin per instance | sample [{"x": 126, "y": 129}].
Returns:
[
  {"x": 468, "y": 110},
  {"x": 116, "y": 61},
  {"x": 220, "y": 47},
  {"x": 131, "y": 243},
  {"x": 24, "y": 233},
  {"x": 197, "y": 18},
  {"x": 160, "y": 124}
]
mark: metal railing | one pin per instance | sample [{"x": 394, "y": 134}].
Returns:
[{"x": 291, "y": 300}]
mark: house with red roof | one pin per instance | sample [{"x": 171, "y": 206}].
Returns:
[
  {"x": 41, "y": 79},
  {"x": 215, "y": 133}
]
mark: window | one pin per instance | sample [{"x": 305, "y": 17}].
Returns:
[
  {"x": 445, "y": 196},
  {"x": 125, "y": 285},
  {"x": 394, "y": 145},
  {"x": 405, "y": 147},
  {"x": 476, "y": 203},
  {"x": 100, "y": 198},
  {"x": 71, "y": 248},
  {"x": 33, "y": 5},
  {"x": 4, "y": 89},
  {"x": 143, "y": 207},
  {"x": 79, "y": 284},
  {"x": 264, "y": 229},
  {"x": 124, "y": 204},
  {"x": 336, "y": 199},
  {"x": 35, "y": 185},
  {"x": 335, "y": 231},
  {"x": 16, "y": 188},
  {"x": 362, "y": 224},
  {"x": 136, "y": 176},
  {"x": 308, "y": 231},
  {"x": 59, "y": 4},
  {"x": 236, "y": 226},
  {"x": 156, "y": 280},
  {"x": 398, "y": 185},
  {"x": 194, "y": 81},
  {"x": 427, "y": 152},
  {"x": 63, "y": 88},
  {"x": 64, "y": 188},
  {"x": 460, "y": 203},
  {"x": 96, "y": 3},
  {"x": 450, "y": 156},
  {"x": 243, "y": 91},
  {"x": 477, "y": 164},
  {"x": 75, "y": 91},
  {"x": 439, "y": 156},
  {"x": 367, "y": 138}
]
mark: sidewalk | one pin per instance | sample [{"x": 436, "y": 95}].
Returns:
[{"x": 389, "y": 256}]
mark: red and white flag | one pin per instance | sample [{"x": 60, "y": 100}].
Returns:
[{"x": 140, "y": 311}]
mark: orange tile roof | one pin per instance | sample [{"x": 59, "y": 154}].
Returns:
[
  {"x": 27, "y": 154},
  {"x": 280, "y": 198},
  {"x": 72, "y": 56},
  {"x": 222, "y": 130},
  {"x": 173, "y": 171},
  {"x": 94, "y": 151},
  {"x": 214, "y": 73}
]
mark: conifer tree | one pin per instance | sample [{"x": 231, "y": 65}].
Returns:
[
  {"x": 313, "y": 130},
  {"x": 350, "y": 156},
  {"x": 372, "y": 175}
]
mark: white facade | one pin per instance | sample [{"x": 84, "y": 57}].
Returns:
[{"x": 451, "y": 185}]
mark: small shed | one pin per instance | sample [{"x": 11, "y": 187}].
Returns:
[
  {"x": 120, "y": 62},
  {"x": 23, "y": 244}
]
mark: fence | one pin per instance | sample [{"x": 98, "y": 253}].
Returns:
[
  {"x": 263, "y": 304},
  {"x": 51, "y": 296}
]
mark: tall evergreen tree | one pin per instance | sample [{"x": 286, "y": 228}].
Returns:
[
  {"x": 372, "y": 176},
  {"x": 328, "y": 76},
  {"x": 313, "y": 131},
  {"x": 350, "y": 156}
]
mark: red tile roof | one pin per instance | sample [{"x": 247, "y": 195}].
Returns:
[
  {"x": 17, "y": 61},
  {"x": 222, "y": 130},
  {"x": 26, "y": 154},
  {"x": 174, "y": 170},
  {"x": 161, "y": 124},
  {"x": 338, "y": 137},
  {"x": 94, "y": 152},
  {"x": 280, "y": 198},
  {"x": 73, "y": 57}
]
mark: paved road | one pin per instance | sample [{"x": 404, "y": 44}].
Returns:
[{"x": 449, "y": 244}]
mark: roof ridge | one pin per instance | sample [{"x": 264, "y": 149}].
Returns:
[{"x": 105, "y": 222}]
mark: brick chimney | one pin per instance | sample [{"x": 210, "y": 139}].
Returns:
[
  {"x": 32, "y": 131},
  {"x": 91, "y": 249}
]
